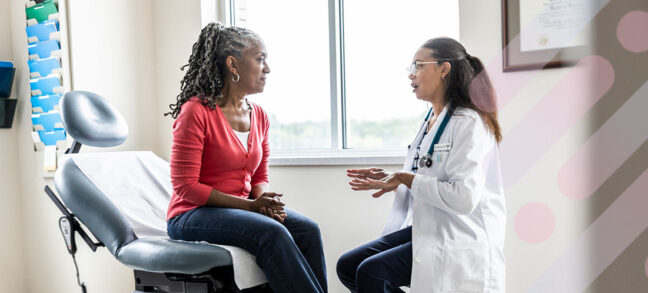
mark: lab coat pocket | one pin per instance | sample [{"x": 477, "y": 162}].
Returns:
[
  {"x": 465, "y": 266},
  {"x": 427, "y": 267},
  {"x": 442, "y": 147},
  {"x": 441, "y": 151},
  {"x": 440, "y": 156}
]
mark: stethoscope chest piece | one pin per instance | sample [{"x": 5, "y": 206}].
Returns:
[{"x": 425, "y": 161}]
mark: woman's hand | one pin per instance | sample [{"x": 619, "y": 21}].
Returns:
[
  {"x": 269, "y": 204},
  {"x": 386, "y": 184},
  {"x": 371, "y": 173}
]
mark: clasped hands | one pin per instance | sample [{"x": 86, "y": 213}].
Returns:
[
  {"x": 374, "y": 178},
  {"x": 269, "y": 204}
]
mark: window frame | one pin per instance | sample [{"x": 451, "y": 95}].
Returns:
[{"x": 338, "y": 153}]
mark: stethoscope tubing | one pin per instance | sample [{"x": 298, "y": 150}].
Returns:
[{"x": 426, "y": 160}]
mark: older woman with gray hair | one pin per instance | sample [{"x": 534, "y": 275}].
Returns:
[{"x": 219, "y": 164}]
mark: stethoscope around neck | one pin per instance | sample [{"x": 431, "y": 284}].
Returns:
[{"x": 426, "y": 161}]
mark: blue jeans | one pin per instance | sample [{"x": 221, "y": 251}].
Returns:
[
  {"x": 382, "y": 265},
  {"x": 290, "y": 255}
]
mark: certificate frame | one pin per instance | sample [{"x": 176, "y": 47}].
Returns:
[{"x": 514, "y": 59}]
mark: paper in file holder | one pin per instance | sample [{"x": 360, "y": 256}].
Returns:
[
  {"x": 44, "y": 67},
  {"x": 49, "y": 121},
  {"x": 46, "y": 85},
  {"x": 30, "y": 3},
  {"x": 48, "y": 30},
  {"x": 49, "y": 138},
  {"x": 46, "y": 49},
  {"x": 46, "y": 103},
  {"x": 39, "y": 13}
]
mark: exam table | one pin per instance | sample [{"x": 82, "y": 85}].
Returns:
[{"x": 122, "y": 197}]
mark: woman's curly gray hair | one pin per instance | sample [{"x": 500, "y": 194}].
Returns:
[{"x": 207, "y": 72}]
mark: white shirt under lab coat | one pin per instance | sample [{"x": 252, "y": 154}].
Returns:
[{"x": 458, "y": 212}]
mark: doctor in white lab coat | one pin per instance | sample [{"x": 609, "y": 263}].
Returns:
[{"x": 445, "y": 232}]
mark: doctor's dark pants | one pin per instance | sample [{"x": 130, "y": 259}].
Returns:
[
  {"x": 291, "y": 255},
  {"x": 382, "y": 265}
]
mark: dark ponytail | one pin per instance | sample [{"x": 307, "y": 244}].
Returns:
[{"x": 468, "y": 84}]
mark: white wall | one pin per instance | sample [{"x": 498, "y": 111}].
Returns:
[
  {"x": 113, "y": 55},
  {"x": 177, "y": 26},
  {"x": 346, "y": 218},
  {"x": 12, "y": 273}
]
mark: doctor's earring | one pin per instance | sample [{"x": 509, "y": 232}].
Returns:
[{"x": 237, "y": 78}]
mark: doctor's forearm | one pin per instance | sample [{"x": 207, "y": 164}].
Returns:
[{"x": 405, "y": 178}]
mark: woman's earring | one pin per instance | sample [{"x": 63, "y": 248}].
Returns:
[{"x": 237, "y": 78}]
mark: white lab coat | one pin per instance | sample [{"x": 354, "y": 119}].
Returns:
[{"x": 459, "y": 214}]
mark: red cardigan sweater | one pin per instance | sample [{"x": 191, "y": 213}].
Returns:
[{"x": 206, "y": 155}]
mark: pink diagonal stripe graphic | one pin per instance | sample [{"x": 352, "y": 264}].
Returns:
[
  {"x": 600, "y": 244},
  {"x": 565, "y": 104},
  {"x": 607, "y": 149}
]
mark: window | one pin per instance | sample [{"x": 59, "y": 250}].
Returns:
[
  {"x": 297, "y": 94},
  {"x": 339, "y": 80}
]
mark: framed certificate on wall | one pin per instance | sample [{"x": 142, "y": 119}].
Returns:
[{"x": 538, "y": 34}]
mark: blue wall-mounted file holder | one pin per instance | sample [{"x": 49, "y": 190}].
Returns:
[
  {"x": 44, "y": 33},
  {"x": 44, "y": 67},
  {"x": 46, "y": 86},
  {"x": 49, "y": 121},
  {"x": 51, "y": 137},
  {"x": 48, "y": 30},
  {"x": 7, "y": 73},
  {"x": 42, "y": 50},
  {"x": 44, "y": 104}
]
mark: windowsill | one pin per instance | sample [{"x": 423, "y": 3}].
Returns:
[{"x": 337, "y": 157}]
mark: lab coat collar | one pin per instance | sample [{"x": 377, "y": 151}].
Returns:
[
  {"x": 424, "y": 124},
  {"x": 427, "y": 140}
]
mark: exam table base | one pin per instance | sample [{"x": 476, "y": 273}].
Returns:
[
  {"x": 178, "y": 283},
  {"x": 217, "y": 280}
]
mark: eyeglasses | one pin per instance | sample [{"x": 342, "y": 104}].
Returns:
[{"x": 416, "y": 65}]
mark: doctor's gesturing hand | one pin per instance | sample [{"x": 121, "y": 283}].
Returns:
[{"x": 377, "y": 178}]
